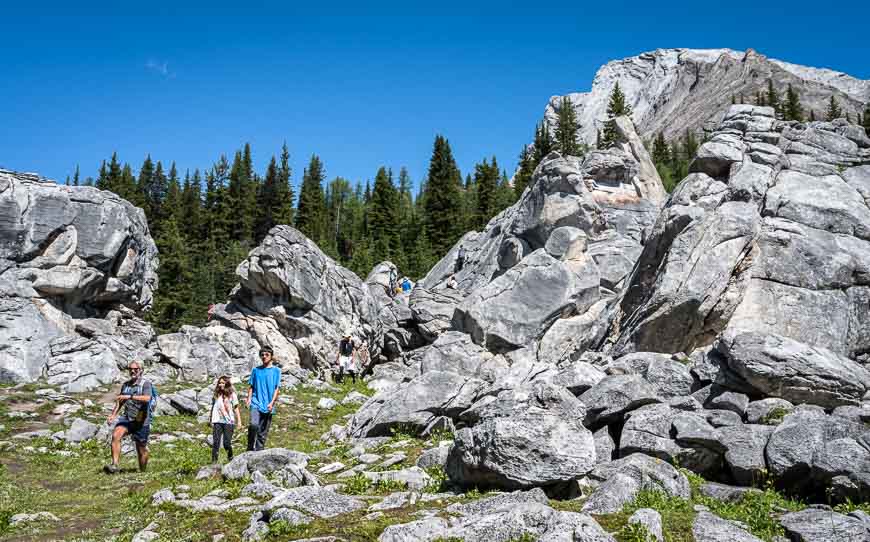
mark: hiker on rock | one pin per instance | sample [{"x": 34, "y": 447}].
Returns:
[
  {"x": 262, "y": 396},
  {"x": 135, "y": 399},
  {"x": 451, "y": 283},
  {"x": 362, "y": 354},
  {"x": 346, "y": 358},
  {"x": 225, "y": 417}
]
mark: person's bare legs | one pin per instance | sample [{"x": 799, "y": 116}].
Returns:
[
  {"x": 142, "y": 453},
  {"x": 117, "y": 435}
]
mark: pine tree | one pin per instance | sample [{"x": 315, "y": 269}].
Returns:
[
  {"x": 174, "y": 274},
  {"x": 443, "y": 203},
  {"x": 311, "y": 213},
  {"x": 615, "y": 108},
  {"x": 284, "y": 190},
  {"x": 772, "y": 97},
  {"x": 523, "y": 176},
  {"x": 566, "y": 129},
  {"x": 543, "y": 143},
  {"x": 792, "y": 110},
  {"x": 268, "y": 202},
  {"x": 76, "y": 176},
  {"x": 191, "y": 208},
  {"x": 486, "y": 181},
  {"x": 834, "y": 110}
]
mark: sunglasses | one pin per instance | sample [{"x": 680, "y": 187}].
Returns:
[{"x": 135, "y": 370}]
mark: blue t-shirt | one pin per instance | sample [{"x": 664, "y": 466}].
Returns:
[{"x": 264, "y": 380}]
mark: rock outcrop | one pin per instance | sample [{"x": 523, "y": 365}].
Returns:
[
  {"x": 77, "y": 267},
  {"x": 293, "y": 297},
  {"x": 674, "y": 90}
]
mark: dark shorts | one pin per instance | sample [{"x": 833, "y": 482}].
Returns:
[{"x": 139, "y": 431}]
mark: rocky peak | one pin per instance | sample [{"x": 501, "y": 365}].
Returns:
[{"x": 674, "y": 90}]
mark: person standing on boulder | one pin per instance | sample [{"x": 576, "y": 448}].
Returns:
[
  {"x": 225, "y": 417},
  {"x": 262, "y": 395},
  {"x": 135, "y": 399}
]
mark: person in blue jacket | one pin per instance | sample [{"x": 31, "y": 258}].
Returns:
[{"x": 262, "y": 397}]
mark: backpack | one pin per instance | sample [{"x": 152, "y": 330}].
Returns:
[{"x": 152, "y": 403}]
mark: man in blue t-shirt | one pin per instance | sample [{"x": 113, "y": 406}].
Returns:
[{"x": 262, "y": 395}]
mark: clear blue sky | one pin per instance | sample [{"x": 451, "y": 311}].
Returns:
[{"x": 359, "y": 86}]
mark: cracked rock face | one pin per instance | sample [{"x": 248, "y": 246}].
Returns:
[
  {"x": 784, "y": 254},
  {"x": 569, "y": 242},
  {"x": 294, "y": 298},
  {"x": 77, "y": 265}
]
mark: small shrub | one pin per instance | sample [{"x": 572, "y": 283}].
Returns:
[
  {"x": 775, "y": 416},
  {"x": 282, "y": 529},
  {"x": 635, "y": 532},
  {"x": 357, "y": 485},
  {"x": 439, "y": 480},
  {"x": 390, "y": 486}
]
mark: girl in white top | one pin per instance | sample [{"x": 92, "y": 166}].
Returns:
[{"x": 225, "y": 416}]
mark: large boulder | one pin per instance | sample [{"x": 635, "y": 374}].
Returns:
[
  {"x": 778, "y": 366},
  {"x": 208, "y": 352},
  {"x": 72, "y": 261},
  {"x": 296, "y": 299},
  {"x": 769, "y": 235},
  {"x": 571, "y": 239},
  {"x": 526, "y": 437},
  {"x": 413, "y": 405}
]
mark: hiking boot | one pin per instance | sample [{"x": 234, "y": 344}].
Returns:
[{"x": 111, "y": 469}]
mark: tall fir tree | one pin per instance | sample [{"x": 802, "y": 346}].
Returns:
[
  {"x": 543, "y": 143},
  {"x": 523, "y": 176},
  {"x": 268, "y": 202},
  {"x": 311, "y": 213},
  {"x": 792, "y": 109},
  {"x": 76, "y": 176},
  {"x": 443, "y": 203},
  {"x": 383, "y": 218},
  {"x": 772, "y": 97},
  {"x": 567, "y": 128},
  {"x": 834, "y": 111},
  {"x": 486, "y": 178},
  {"x": 285, "y": 193},
  {"x": 616, "y": 107}
]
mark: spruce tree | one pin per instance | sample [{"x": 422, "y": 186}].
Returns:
[
  {"x": 792, "y": 110},
  {"x": 311, "y": 213},
  {"x": 615, "y": 108},
  {"x": 523, "y": 176},
  {"x": 443, "y": 202},
  {"x": 174, "y": 274},
  {"x": 268, "y": 202},
  {"x": 834, "y": 110},
  {"x": 772, "y": 97},
  {"x": 543, "y": 143},
  {"x": 486, "y": 182},
  {"x": 566, "y": 129},
  {"x": 76, "y": 176},
  {"x": 284, "y": 191},
  {"x": 191, "y": 208}
]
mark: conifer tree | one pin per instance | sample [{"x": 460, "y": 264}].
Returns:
[
  {"x": 523, "y": 176},
  {"x": 543, "y": 143},
  {"x": 383, "y": 219},
  {"x": 76, "y": 176},
  {"x": 834, "y": 111},
  {"x": 566, "y": 129},
  {"x": 486, "y": 178},
  {"x": 443, "y": 203},
  {"x": 615, "y": 108},
  {"x": 174, "y": 275},
  {"x": 191, "y": 205},
  {"x": 772, "y": 97},
  {"x": 268, "y": 202},
  {"x": 311, "y": 213},
  {"x": 792, "y": 110},
  {"x": 284, "y": 191}
]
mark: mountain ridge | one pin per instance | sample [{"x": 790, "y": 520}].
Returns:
[{"x": 679, "y": 89}]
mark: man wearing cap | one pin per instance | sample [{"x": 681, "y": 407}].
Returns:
[
  {"x": 346, "y": 358},
  {"x": 262, "y": 395}
]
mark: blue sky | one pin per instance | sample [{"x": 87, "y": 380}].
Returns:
[{"x": 360, "y": 86}]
